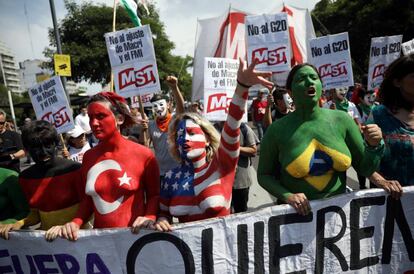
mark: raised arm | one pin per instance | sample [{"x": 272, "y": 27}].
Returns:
[
  {"x": 230, "y": 135},
  {"x": 172, "y": 82},
  {"x": 267, "y": 119}
]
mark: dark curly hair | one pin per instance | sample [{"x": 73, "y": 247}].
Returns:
[
  {"x": 390, "y": 95},
  {"x": 39, "y": 133}
]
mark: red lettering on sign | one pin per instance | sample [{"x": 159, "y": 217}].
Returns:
[
  {"x": 139, "y": 78},
  {"x": 333, "y": 70},
  {"x": 271, "y": 57},
  {"x": 218, "y": 101},
  {"x": 58, "y": 119},
  {"x": 378, "y": 71}
]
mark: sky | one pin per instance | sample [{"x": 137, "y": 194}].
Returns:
[{"x": 24, "y": 23}]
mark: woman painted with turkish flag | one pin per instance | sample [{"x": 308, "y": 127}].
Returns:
[{"x": 121, "y": 177}]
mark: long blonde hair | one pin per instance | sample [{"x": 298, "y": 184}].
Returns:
[{"x": 211, "y": 133}]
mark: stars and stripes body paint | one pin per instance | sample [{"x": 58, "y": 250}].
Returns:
[{"x": 199, "y": 189}]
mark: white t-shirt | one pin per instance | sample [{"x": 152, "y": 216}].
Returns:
[
  {"x": 352, "y": 110},
  {"x": 76, "y": 154}
]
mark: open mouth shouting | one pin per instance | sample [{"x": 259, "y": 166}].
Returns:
[{"x": 311, "y": 91}]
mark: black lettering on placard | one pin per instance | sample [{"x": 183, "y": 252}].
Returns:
[
  {"x": 358, "y": 233},
  {"x": 252, "y": 30},
  {"x": 394, "y": 47},
  {"x": 8, "y": 268},
  {"x": 395, "y": 213},
  {"x": 340, "y": 46},
  {"x": 207, "y": 261},
  {"x": 181, "y": 246},
  {"x": 16, "y": 264},
  {"x": 276, "y": 250},
  {"x": 329, "y": 243},
  {"x": 316, "y": 51},
  {"x": 258, "y": 248},
  {"x": 42, "y": 261},
  {"x": 279, "y": 25},
  {"x": 242, "y": 250}
]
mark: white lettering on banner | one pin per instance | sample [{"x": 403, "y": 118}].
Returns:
[
  {"x": 138, "y": 78},
  {"x": 365, "y": 231},
  {"x": 218, "y": 101},
  {"x": 270, "y": 57}
]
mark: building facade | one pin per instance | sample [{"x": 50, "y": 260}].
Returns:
[{"x": 11, "y": 71}]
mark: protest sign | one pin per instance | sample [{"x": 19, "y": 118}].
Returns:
[
  {"x": 50, "y": 103},
  {"x": 132, "y": 57},
  {"x": 146, "y": 100},
  {"x": 383, "y": 51},
  {"x": 331, "y": 56},
  {"x": 360, "y": 232},
  {"x": 62, "y": 65},
  {"x": 220, "y": 81},
  {"x": 408, "y": 47},
  {"x": 268, "y": 42}
]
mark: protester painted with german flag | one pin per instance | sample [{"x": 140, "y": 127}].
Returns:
[{"x": 52, "y": 186}]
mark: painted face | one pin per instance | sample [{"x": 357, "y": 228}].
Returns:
[
  {"x": 42, "y": 152},
  {"x": 340, "y": 93},
  {"x": 160, "y": 108},
  {"x": 191, "y": 140},
  {"x": 102, "y": 120},
  {"x": 306, "y": 86},
  {"x": 369, "y": 99}
]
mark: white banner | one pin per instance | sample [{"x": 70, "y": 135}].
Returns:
[
  {"x": 360, "y": 232},
  {"x": 50, "y": 104},
  {"x": 220, "y": 81},
  {"x": 268, "y": 41},
  {"x": 408, "y": 47},
  {"x": 383, "y": 51},
  {"x": 132, "y": 57},
  {"x": 331, "y": 56}
]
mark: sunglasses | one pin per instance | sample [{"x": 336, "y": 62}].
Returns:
[{"x": 2, "y": 122}]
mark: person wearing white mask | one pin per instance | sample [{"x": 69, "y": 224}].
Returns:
[{"x": 158, "y": 128}]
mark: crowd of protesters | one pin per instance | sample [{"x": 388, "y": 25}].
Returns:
[{"x": 118, "y": 168}]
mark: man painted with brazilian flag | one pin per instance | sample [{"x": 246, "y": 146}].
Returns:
[{"x": 305, "y": 155}]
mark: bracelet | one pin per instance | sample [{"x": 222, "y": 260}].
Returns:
[{"x": 243, "y": 85}]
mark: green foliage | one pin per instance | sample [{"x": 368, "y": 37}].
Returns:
[
  {"x": 364, "y": 20},
  {"x": 82, "y": 36}
]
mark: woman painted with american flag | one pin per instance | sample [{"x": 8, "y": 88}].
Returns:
[{"x": 201, "y": 186}]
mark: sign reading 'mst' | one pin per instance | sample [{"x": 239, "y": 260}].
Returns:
[{"x": 132, "y": 57}]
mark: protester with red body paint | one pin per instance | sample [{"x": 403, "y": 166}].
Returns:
[{"x": 121, "y": 177}]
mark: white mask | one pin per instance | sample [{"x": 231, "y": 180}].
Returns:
[
  {"x": 369, "y": 99},
  {"x": 160, "y": 108}
]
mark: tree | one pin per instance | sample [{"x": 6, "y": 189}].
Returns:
[
  {"x": 363, "y": 20},
  {"x": 82, "y": 36}
]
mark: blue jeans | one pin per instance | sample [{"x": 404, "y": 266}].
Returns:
[{"x": 260, "y": 129}]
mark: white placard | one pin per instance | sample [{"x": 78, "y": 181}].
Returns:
[
  {"x": 361, "y": 232},
  {"x": 331, "y": 56},
  {"x": 50, "y": 104},
  {"x": 383, "y": 51},
  {"x": 408, "y": 47},
  {"x": 132, "y": 57},
  {"x": 146, "y": 100},
  {"x": 220, "y": 81},
  {"x": 268, "y": 41}
]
